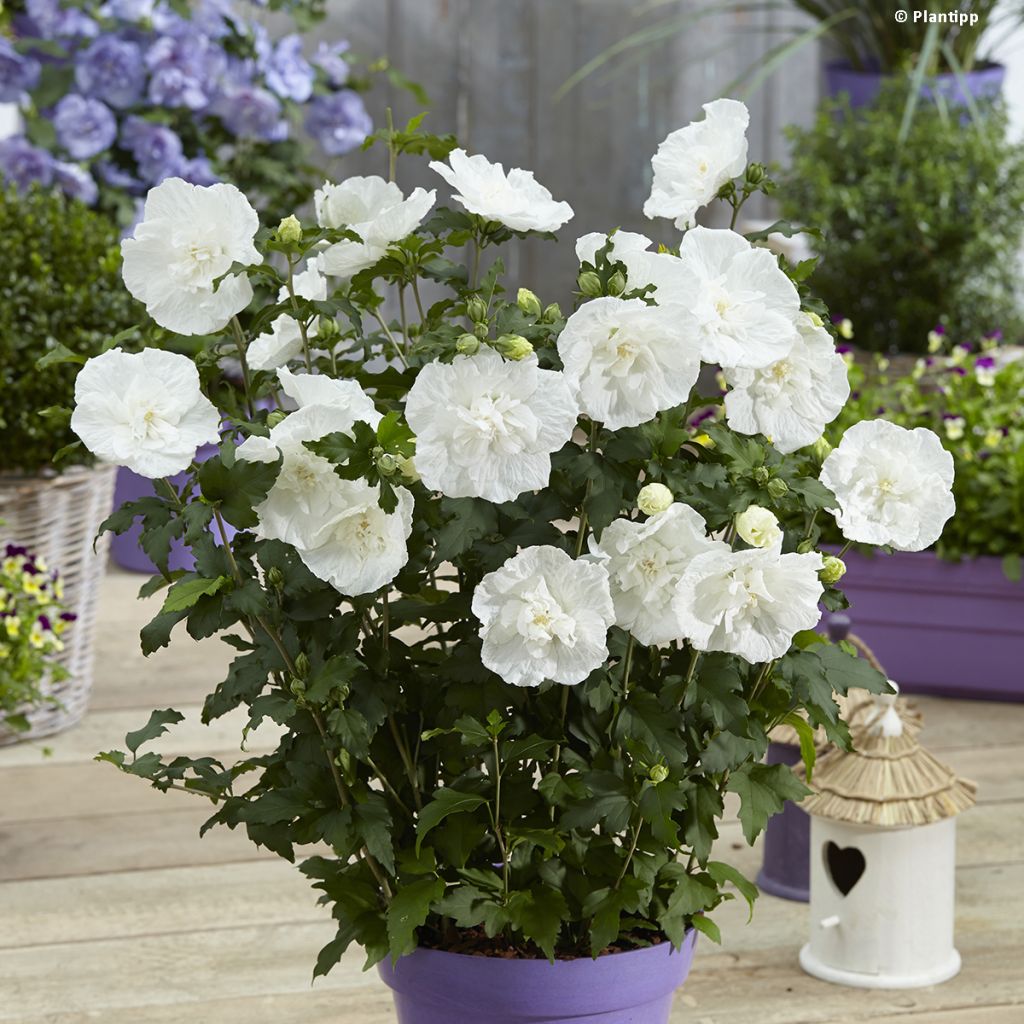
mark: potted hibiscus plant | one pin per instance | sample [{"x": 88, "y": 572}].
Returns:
[{"x": 521, "y": 628}]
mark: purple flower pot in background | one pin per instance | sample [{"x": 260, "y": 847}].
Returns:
[
  {"x": 955, "y": 629},
  {"x": 434, "y": 987},
  {"x": 786, "y": 869},
  {"x": 863, "y": 86},
  {"x": 125, "y": 548}
]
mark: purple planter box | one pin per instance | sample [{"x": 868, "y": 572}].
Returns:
[
  {"x": 955, "y": 629},
  {"x": 863, "y": 86},
  {"x": 786, "y": 869},
  {"x": 434, "y": 987}
]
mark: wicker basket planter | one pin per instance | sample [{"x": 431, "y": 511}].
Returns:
[{"x": 57, "y": 517}]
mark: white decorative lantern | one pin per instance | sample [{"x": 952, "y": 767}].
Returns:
[{"x": 883, "y": 860}]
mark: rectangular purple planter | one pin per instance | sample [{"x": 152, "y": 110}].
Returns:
[{"x": 955, "y": 629}]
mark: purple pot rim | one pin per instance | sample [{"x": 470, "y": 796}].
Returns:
[{"x": 689, "y": 939}]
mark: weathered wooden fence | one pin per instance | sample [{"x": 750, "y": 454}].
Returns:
[{"x": 492, "y": 69}]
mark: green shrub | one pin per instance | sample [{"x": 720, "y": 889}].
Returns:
[
  {"x": 915, "y": 230},
  {"x": 60, "y": 284}
]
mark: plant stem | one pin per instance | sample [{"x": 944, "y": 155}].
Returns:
[
  {"x": 629, "y": 858},
  {"x": 627, "y": 664},
  {"x": 236, "y": 329},
  {"x": 392, "y": 151},
  {"x": 419, "y": 301},
  {"x": 391, "y": 338},
  {"x": 387, "y": 785},
  {"x": 497, "y": 819},
  {"x": 299, "y": 320}
]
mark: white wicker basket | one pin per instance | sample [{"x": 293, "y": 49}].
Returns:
[{"x": 57, "y": 518}]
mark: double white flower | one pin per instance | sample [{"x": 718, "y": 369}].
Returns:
[
  {"x": 486, "y": 427},
  {"x": 283, "y": 342},
  {"x": 894, "y": 486},
  {"x": 336, "y": 526},
  {"x": 143, "y": 410},
  {"x": 515, "y": 199},
  {"x": 376, "y": 210},
  {"x": 188, "y": 239}
]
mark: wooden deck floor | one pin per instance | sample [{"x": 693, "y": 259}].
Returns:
[{"x": 113, "y": 910}]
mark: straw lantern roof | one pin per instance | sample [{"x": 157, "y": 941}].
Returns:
[{"x": 888, "y": 780}]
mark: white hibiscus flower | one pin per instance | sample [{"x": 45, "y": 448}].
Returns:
[
  {"x": 645, "y": 562},
  {"x": 283, "y": 342},
  {"x": 694, "y": 162},
  {"x": 143, "y": 410},
  {"x": 309, "y": 283},
  {"x": 894, "y": 486},
  {"x": 544, "y": 616},
  {"x": 624, "y": 243},
  {"x": 361, "y": 547},
  {"x": 376, "y": 210},
  {"x": 516, "y": 199},
  {"x": 749, "y": 603},
  {"x": 744, "y": 304},
  {"x": 629, "y": 360},
  {"x": 486, "y": 428},
  {"x": 188, "y": 239},
  {"x": 791, "y": 400}
]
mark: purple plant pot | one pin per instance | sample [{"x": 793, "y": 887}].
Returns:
[
  {"x": 955, "y": 629},
  {"x": 125, "y": 548},
  {"x": 433, "y": 987},
  {"x": 863, "y": 86},
  {"x": 786, "y": 869}
]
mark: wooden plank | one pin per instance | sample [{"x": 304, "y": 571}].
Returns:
[
  {"x": 956, "y": 724},
  {"x": 161, "y": 901},
  {"x": 66, "y": 847}
]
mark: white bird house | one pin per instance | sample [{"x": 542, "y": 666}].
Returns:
[{"x": 883, "y": 860}]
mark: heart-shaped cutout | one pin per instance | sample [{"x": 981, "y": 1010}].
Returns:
[{"x": 845, "y": 865}]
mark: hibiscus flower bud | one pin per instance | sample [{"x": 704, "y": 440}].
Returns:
[
  {"x": 274, "y": 417},
  {"x": 476, "y": 309},
  {"x": 387, "y": 464},
  {"x": 528, "y": 302},
  {"x": 552, "y": 314},
  {"x": 407, "y": 467},
  {"x": 777, "y": 488},
  {"x": 761, "y": 476},
  {"x": 589, "y": 284},
  {"x": 657, "y": 773},
  {"x": 327, "y": 330},
  {"x": 832, "y": 570},
  {"x": 816, "y": 320},
  {"x": 758, "y": 527},
  {"x": 654, "y": 498},
  {"x": 302, "y": 665},
  {"x": 513, "y": 346},
  {"x": 617, "y": 283},
  {"x": 755, "y": 173},
  {"x": 275, "y": 577},
  {"x": 467, "y": 344},
  {"x": 821, "y": 448},
  {"x": 481, "y": 330},
  {"x": 289, "y": 231}
]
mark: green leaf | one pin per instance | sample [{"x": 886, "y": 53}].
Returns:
[
  {"x": 763, "y": 790},
  {"x": 236, "y": 487},
  {"x": 804, "y": 732},
  {"x": 723, "y": 873},
  {"x": 186, "y": 591},
  {"x": 539, "y": 915},
  {"x": 708, "y": 927},
  {"x": 156, "y": 726},
  {"x": 60, "y": 353},
  {"x": 408, "y": 911},
  {"x": 446, "y": 801}
]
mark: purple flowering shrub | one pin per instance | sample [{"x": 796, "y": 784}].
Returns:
[
  {"x": 969, "y": 393},
  {"x": 117, "y": 95}
]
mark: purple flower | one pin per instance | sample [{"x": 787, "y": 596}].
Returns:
[
  {"x": 287, "y": 72},
  {"x": 43, "y": 621},
  {"x": 76, "y": 182},
  {"x": 984, "y": 362},
  {"x": 704, "y": 414},
  {"x": 844, "y": 349},
  {"x": 338, "y": 121},
  {"x": 330, "y": 59},
  {"x": 84, "y": 127},
  {"x": 186, "y": 68},
  {"x": 111, "y": 69},
  {"x": 18, "y": 74},
  {"x": 198, "y": 171},
  {"x": 128, "y": 10},
  {"x": 996, "y": 335},
  {"x": 253, "y": 113},
  {"x": 118, "y": 178},
  {"x": 50, "y": 20},
  {"x": 156, "y": 148},
  {"x": 25, "y": 164},
  {"x": 938, "y": 329},
  {"x": 959, "y": 371}
]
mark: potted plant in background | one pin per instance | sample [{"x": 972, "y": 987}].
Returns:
[
  {"x": 912, "y": 227},
  {"x": 520, "y": 633},
  {"x": 62, "y": 300},
  {"x": 951, "y": 621},
  {"x": 33, "y": 624}
]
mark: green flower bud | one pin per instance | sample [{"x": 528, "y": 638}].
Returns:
[
  {"x": 467, "y": 344},
  {"x": 589, "y": 284},
  {"x": 657, "y": 773},
  {"x": 275, "y": 577},
  {"x": 761, "y": 476},
  {"x": 805, "y": 547},
  {"x": 654, "y": 498},
  {"x": 617, "y": 283},
  {"x": 302, "y": 665},
  {"x": 513, "y": 346},
  {"x": 552, "y": 314},
  {"x": 297, "y": 686},
  {"x": 821, "y": 449},
  {"x": 476, "y": 309},
  {"x": 327, "y": 330},
  {"x": 833, "y": 570},
  {"x": 758, "y": 527},
  {"x": 387, "y": 464},
  {"x": 481, "y": 330},
  {"x": 755, "y": 173},
  {"x": 528, "y": 302},
  {"x": 289, "y": 231},
  {"x": 777, "y": 488},
  {"x": 274, "y": 417},
  {"x": 407, "y": 467},
  {"x": 816, "y": 320}
]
